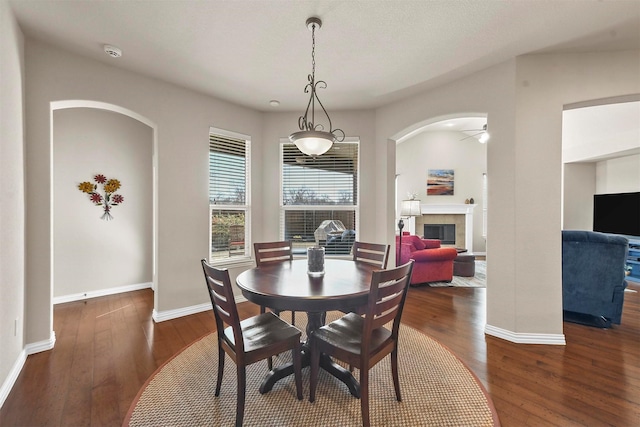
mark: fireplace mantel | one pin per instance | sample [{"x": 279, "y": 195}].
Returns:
[{"x": 455, "y": 209}]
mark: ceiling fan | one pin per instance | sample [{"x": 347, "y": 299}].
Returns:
[{"x": 482, "y": 133}]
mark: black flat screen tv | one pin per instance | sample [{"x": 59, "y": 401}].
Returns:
[{"x": 617, "y": 213}]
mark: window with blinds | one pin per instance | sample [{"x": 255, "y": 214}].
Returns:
[
  {"x": 228, "y": 195},
  {"x": 318, "y": 189}
]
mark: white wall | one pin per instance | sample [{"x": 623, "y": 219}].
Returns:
[
  {"x": 12, "y": 201},
  {"x": 579, "y": 188},
  {"x": 545, "y": 84},
  {"x": 620, "y": 175},
  {"x": 600, "y": 131},
  {"x": 444, "y": 150},
  {"x": 182, "y": 119},
  {"x": 92, "y": 254}
]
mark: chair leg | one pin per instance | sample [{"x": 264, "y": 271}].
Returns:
[
  {"x": 241, "y": 395},
  {"x": 297, "y": 368},
  {"x": 315, "y": 366},
  {"x": 364, "y": 395},
  {"x": 293, "y": 318},
  {"x": 394, "y": 371},
  {"x": 220, "y": 369}
]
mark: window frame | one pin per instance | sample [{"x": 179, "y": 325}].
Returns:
[
  {"x": 354, "y": 207},
  {"x": 245, "y": 258}
]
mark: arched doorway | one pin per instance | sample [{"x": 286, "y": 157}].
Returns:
[
  {"x": 449, "y": 143},
  {"x": 91, "y": 138}
]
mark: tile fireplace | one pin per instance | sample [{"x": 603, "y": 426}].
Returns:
[{"x": 459, "y": 215}]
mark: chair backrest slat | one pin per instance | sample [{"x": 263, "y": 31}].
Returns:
[
  {"x": 390, "y": 303},
  {"x": 373, "y": 253},
  {"x": 387, "y": 310},
  {"x": 266, "y": 252},
  {"x": 223, "y": 302}
]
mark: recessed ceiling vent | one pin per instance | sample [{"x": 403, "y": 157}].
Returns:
[{"x": 112, "y": 51}]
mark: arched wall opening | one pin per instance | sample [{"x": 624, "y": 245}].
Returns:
[
  {"x": 92, "y": 256},
  {"x": 600, "y": 154},
  {"x": 445, "y": 142}
]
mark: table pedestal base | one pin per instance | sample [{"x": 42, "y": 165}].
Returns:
[
  {"x": 315, "y": 321},
  {"x": 325, "y": 362}
]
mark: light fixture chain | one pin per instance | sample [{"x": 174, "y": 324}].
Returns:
[
  {"x": 313, "y": 51},
  {"x": 313, "y": 76}
]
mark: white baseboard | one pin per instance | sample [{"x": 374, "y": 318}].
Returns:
[
  {"x": 525, "y": 338},
  {"x": 8, "y": 383},
  {"x": 39, "y": 346},
  {"x": 33, "y": 348},
  {"x": 161, "y": 316},
  {"x": 186, "y": 311},
  {"x": 100, "y": 293}
]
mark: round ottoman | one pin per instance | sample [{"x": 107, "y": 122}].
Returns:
[{"x": 464, "y": 265}]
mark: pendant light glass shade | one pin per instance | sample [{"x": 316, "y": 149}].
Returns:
[{"x": 312, "y": 142}]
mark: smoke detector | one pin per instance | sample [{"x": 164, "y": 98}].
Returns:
[{"x": 112, "y": 51}]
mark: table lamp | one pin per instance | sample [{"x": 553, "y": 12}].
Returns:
[{"x": 408, "y": 208}]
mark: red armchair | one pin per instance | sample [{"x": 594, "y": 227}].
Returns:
[{"x": 432, "y": 262}]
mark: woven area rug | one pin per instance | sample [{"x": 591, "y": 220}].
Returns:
[
  {"x": 478, "y": 281},
  {"x": 437, "y": 390}
]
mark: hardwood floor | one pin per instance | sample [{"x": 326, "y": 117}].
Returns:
[{"x": 107, "y": 347}]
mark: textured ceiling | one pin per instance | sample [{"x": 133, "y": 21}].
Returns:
[{"x": 370, "y": 53}]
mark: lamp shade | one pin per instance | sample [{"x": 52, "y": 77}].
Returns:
[
  {"x": 484, "y": 137},
  {"x": 312, "y": 143},
  {"x": 410, "y": 208}
]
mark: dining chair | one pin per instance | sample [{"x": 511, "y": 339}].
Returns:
[
  {"x": 250, "y": 340},
  {"x": 271, "y": 252},
  {"x": 373, "y": 253},
  {"x": 362, "y": 341}
]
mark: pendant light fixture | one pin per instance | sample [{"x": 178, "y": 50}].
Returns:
[{"x": 313, "y": 139}]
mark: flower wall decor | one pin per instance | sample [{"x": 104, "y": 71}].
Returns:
[{"x": 109, "y": 199}]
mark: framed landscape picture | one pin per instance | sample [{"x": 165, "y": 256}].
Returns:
[{"x": 440, "y": 182}]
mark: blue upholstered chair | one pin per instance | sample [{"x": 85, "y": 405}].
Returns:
[{"x": 593, "y": 277}]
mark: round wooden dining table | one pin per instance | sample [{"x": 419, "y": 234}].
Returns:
[{"x": 287, "y": 286}]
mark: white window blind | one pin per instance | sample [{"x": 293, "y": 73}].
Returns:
[
  {"x": 330, "y": 179},
  {"x": 227, "y": 170},
  {"x": 228, "y": 196}
]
